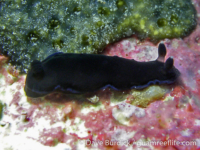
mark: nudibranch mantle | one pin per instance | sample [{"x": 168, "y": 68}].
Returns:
[{"x": 82, "y": 73}]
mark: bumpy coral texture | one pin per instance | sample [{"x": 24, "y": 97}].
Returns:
[{"x": 35, "y": 29}]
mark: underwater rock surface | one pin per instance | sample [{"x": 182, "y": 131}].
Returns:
[
  {"x": 63, "y": 122},
  {"x": 171, "y": 122},
  {"x": 35, "y": 29}
]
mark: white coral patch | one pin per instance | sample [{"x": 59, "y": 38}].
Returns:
[
  {"x": 186, "y": 133},
  {"x": 125, "y": 111}
]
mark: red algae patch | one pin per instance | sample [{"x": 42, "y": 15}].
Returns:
[{"x": 132, "y": 48}]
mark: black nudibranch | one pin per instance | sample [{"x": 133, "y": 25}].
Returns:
[{"x": 82, "y": 73}]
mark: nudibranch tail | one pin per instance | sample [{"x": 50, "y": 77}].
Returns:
[{"x": 37, "y": 68}]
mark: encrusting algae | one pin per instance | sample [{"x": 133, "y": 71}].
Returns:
[
  {"x": 148, "y": 95},
  {"x": 35, "y": 29}
]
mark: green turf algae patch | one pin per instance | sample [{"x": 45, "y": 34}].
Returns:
[{"x": 35, "y": 29}]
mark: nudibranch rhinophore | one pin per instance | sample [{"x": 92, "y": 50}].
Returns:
[{"x": 82, "y": 73}]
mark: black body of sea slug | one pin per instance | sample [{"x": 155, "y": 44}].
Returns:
[{"x": 82, "y": 73}]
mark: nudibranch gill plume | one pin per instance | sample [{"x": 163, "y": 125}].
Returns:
[{"x": 82, "y": 73}]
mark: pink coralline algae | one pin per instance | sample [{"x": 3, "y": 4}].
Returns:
[{"x": 171, "y": 121}]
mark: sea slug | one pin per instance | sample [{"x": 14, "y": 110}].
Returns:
[{"x": 82, "y": 73}]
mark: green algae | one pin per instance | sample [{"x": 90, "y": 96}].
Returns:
[
  {"x": 148, "y": 95},
  {"x": 35, "y": 29}
]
